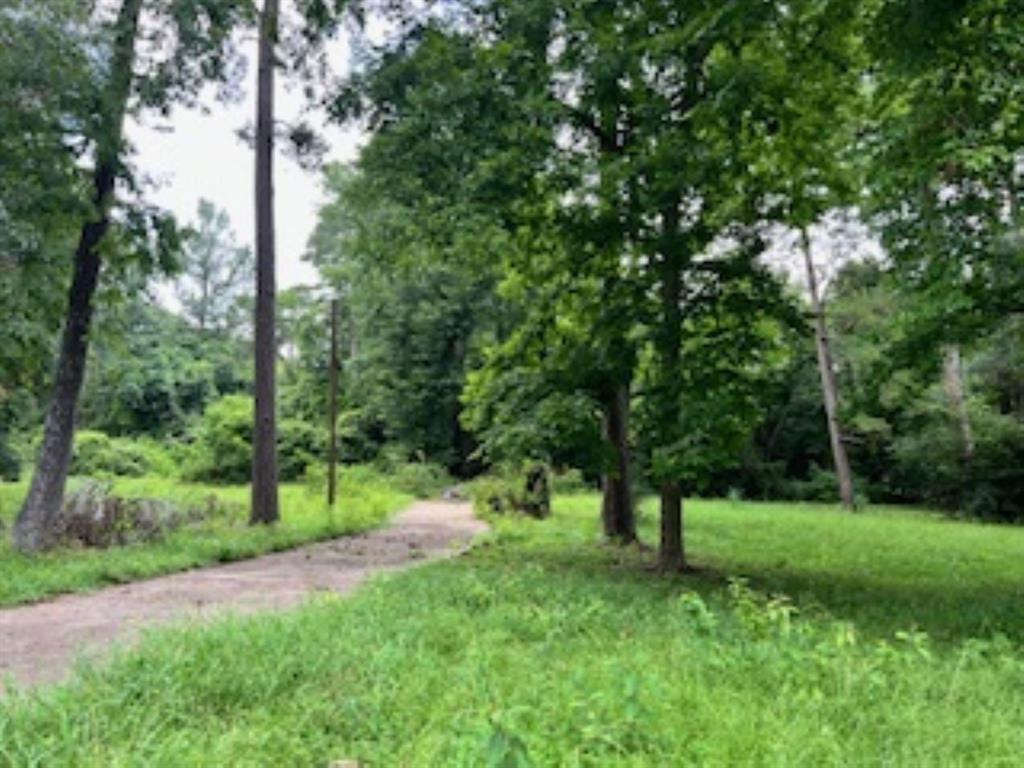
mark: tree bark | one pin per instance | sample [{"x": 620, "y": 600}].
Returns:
[
  {"x": 671, "y": 551},
  {"x": 953, "y": 383},
  {"x": 617, "y": 513},
  {"x": 829, "y": 386},
  {"x": 39, "y": 512},
  {"x": 264, "y": 460}
]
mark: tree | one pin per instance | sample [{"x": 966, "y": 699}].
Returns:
[
  {"x": 827, "y": 373},
  {"x": 945, "y": 158},
  {"x": 46, "y": 85},
  {"x": 625, "y": 121},
  {"x": 203, "y": 31},
  {"x": 214, "y": 272},
  {"x": 47, "y": 490},
  {"x": 418, "y": 316},
  {"x": 151, "y": 372},
  {"x": 264, "y": 456}
]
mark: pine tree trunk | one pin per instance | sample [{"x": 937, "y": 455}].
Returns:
[
  {"x": 39, "y": 512},
  {"x": 671, "y": 552},
  {"x": 264, "y": 460},
  {"x": 953, "y": 383},
  {"x": 617, "y": 513},
  {"x": 829, "y": 386}
]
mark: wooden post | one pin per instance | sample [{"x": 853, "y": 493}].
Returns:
[{"x": 332, "y": 446}]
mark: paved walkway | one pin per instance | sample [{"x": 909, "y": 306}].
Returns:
[{"x": 40, "y": 643}]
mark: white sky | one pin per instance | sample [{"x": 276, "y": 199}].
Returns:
[{"x": 193, "y": 155}]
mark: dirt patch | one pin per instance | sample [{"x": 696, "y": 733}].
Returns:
[{"x": 40, "y": 643}]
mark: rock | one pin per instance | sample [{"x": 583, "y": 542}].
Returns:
[
  {"x": 93, "y": 517},
  {"x": 454, "y": 493}
]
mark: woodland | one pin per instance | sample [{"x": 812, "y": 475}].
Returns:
[{"x": 730, "y": 295}]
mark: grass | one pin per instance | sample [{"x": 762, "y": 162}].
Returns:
[
  {"x": 543, "y": 647},
  {"x": 890, "y": 568},
  {"x": 365, "y": 501}
]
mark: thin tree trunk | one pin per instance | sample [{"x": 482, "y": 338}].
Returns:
[
  {"x": 829, "y": 386},
  {"x": 617, "y": 513},
  {"x": 264, "y": 460},
  {"x": 671, "y": 551},
  {"x": 39, "y": 512},
  {"x": 953, "y": 383}
]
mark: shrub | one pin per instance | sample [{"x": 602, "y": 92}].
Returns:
[
  {"x": 929, "y": 465},
  {"x": 523, "y": 489},
  {"x": 421, "y": 479},
  {"x": 569, "y": 481},
  {"x": 299, "y": 446},
  {"x": 97, "y": 455},
  {"x": 222, "y": 451}
]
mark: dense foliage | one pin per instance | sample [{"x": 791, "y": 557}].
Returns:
[{"x": 555, "y": 245}]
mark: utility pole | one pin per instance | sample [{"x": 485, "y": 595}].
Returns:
[{"x": 332, "y": 446}]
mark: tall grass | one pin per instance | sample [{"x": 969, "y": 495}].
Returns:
[
  {"x": 365, "y": 500},
  {"x": 544, "y": 647}
]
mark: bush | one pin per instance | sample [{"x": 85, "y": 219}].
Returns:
[
  {"x": 420, "y": 479},
  {"x": 299, "y": 446},
  {"x": 524, "y": 489},
  {"x": 568, "y": 481},
  {"x": 222, "y": 451},
  {"x": 97, "y": 455},
  {"x": 929, "y": 465}
]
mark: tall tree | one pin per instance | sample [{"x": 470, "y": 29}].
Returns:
[
  {"x": 827, "y": 374},
  {"x": 264, "y": 458},
  {"x": 802, "y": 150},
  {"x": 165, "y": 75},
  {"x": 47, "y": 489},
  {"x": 214, "y": 271}
]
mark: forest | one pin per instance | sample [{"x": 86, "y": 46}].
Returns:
[{"x": 710, "y": 313}]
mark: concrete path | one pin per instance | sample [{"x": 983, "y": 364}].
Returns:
[{"x": 39, "y": 643}]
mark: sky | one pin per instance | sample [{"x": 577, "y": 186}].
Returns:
[{"x": 192, "y": 155}]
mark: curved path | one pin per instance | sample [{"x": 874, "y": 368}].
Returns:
[{"x": 40, "y": 643}]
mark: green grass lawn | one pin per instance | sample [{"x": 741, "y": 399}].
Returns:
[
  {"x": 365, "y": 501},
  {"x": 543, "y": 647}
]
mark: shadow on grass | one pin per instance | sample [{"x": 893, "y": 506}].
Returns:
[{"x": 949, "y": 610}]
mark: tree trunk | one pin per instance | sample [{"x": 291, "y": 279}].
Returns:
[
  {"x": 953, "y": 383},
  {"x": 39, "y": 512},
  {"x": 264, "y": 459},
  {"x": 671, "y": 553},
  {"x": 617, "y": 503},
  {"x": 829, "y": 386}
]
